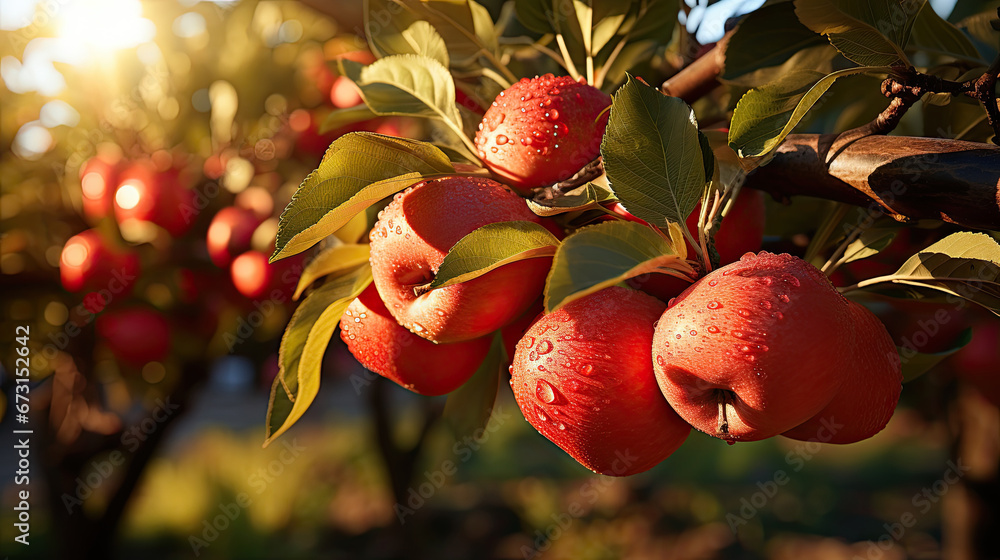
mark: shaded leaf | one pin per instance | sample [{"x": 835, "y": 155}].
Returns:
[
  {"x": 492, "y": 246},
  {"x": 581, "y": 198},
  {"x": 358, "y": 170},
  {"x": 345, "y": 117},
  {"x": 602, "y": 255},
  {"x": 871, "y": 242},
  {"x": 653, "y": 154},
  {"x": 962, "y": 265},
  {"x": 337, "y": 259},
  {"x": 469, "y": 407},
  {"x": 937, "y": 36},
  {"x": 766, "y": 115},
  {"x": 766, "y": 38},
  {"x": 302, "y": 347},
  {"x": 916, "y": 363},
  {"x": 868, "y": 32}
]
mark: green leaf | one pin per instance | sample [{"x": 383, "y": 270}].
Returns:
[
  {"x": 584, "y": 197},
  {"x": 868, "y": 32},
  {"x": 606, "y": 18},
  {"x": 358, "y": 170},
  {"x": 334, "y": 261},
  {"x": 492, "y": 246},
  {"x": 303, "y": 345},
  {"x": 653, "y": 154},
  {"x": 916, "y": 364},
  {"x": 871, "y": 242},
  {"x": 534, "y": 15},
  {"x": 344, "y": 117},
  {"x": 464, "y": 26},
  {"x": 602, "y": 255},
  {"x": 406, "y": 85},
  {"x": 651, "y": 19},
  {"x": 766, "y": 115},
  {"x": 937, "y": 36},
  {"x": 418, "y": 38},
  {"x": 766, "y": 38},
  {"x": 469, "y": 407},
  {"x": 962, "y": 265}
]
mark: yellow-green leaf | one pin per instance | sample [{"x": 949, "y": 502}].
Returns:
[
  {"x": 337, "y": 259},
  {"x": 358, "y": 170},
  {"x": 302, "y": 347},
  {"x": 602, "y": 255},
  {"x": 492, "y": 246}
]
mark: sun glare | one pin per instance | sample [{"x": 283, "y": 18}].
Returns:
[{"x": 105, "y": 25}]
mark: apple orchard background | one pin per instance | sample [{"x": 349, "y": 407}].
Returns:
[{"x": 150, "y": 446}]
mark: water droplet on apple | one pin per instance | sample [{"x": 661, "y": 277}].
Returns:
[
  {"x": 765, "y": 304},
  {"x": 544, "y": 347},
  {"x": 533, "y": 355},
  {"x": 693, "y": 332},
  {"x": 417, "y": 327},
  {"x": 545, "y": 392},
  {"x": 738, "y": 334},
  {"x": 502, "y": 139},
  {"x": 562, "y": 426},
  {"x": 586, "y": 369},
  {"x": 530, "y": 341},
  {"x": 745, "y": 313},
  {"x": 660, "y": 360},
  {"x": 494, "y": 149},
  {"x": 713, "y": 282},
  {"x": 778, "y": 315},
  {"x": 783, "y": 298},
  {"x": 713, "y": 329},
  {"x": 542, "y": 416},
  {"x": 714, "y": 305}
]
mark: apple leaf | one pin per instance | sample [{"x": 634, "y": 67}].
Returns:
[
  {"x": 534, "y": 15},
  {"x": 334, "y": 261},
  {"x": 871, "y": 242},
  {"x": 581, "y": 198},
  {"x": 767, "y": 38},
  {"x": 934, "y": 35},
  {"x": 650, "y": 19},
  {"x": 868, "y": 32},
  {"x": 602, "y": 255},
  {"x": 963, "y": 265},
  {"x": 653, "y": 154},
  {"x": 407, "y": 85},
  {"x": 463, "y": 25},
  {"x": 418, "y": 37},
  {"x": 916, "y": 363},
  {"x": 343, "y": 117},
  {"x": 469, "y": 407},
  {"x": 492, "y": 246},
  {"x": 302, "y": 347},
  {"x": 764, "y": 116},
  {"x": 357, "y": 171}
]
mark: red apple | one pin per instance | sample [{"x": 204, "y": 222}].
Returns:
[
  {"x": 583, "y": 378},
  {"x": 230, "y": 233},
  {"x": 386, "y": 348},
  {"x": 979, "y": 362},
  {"x": 255, "y": 278},
  {"x": 412, "y": 237},
  {"x": 869, "y": 392},
  {"x": 98, "y": 179},
  {"x": 344, "y": 94},
  {"x": 88, "y": 262},
  {"x": 147, "y": 195},
  {"x": 754, "y": 348},
  {"x": 135, "y": 336}
]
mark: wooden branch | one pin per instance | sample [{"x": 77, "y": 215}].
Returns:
[
  {"x": 908, "y": 178},
  {"x": 695, "y": 80}
]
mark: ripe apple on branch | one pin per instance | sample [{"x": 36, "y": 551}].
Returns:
[{"x": 564, "y": 192}]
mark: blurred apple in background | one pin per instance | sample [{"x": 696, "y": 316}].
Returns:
[
  {"x": 159, "y": 197},
  {"x": 136, "y": 336},
  {"x": 98, "y": 179},
  {"x": 230, "y": 233},
  {"x": 89, "y": 262}
]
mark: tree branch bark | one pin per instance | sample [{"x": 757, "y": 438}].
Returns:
[{"x": 908, "y": 178}]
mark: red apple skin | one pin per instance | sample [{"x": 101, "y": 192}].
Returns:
[
  {"x": 582, "y": 377},
  {"x": 344, "y": 94},
  {"x": 135, "y": 336},
  {"x": 869, "y": 392},
  {"x": 514, "y": 331},
  {"x": 98, "y": 179},
  {"x": 741, "y": 232},
  {"x": 767, "y": 335},
  {"x": 229, "y": 234},
  {"x": 88, "y": 262},
  {"x": 542, "y": 130},
  {"x": 412, "y": 237},
  {"x": 386, "y": 348},
  {"x": 157, "y": 197}
]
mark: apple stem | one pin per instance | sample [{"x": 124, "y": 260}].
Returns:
[{"x": 722, "y": 428}]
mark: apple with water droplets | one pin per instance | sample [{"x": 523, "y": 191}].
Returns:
[
  {"x": 542, "y": 130},
  {"x": 582, "y": 377},
  {"x": 383, "y": 346},
  {"x": 754, "y": 348},
  {"x": 410, "y": 241}
]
